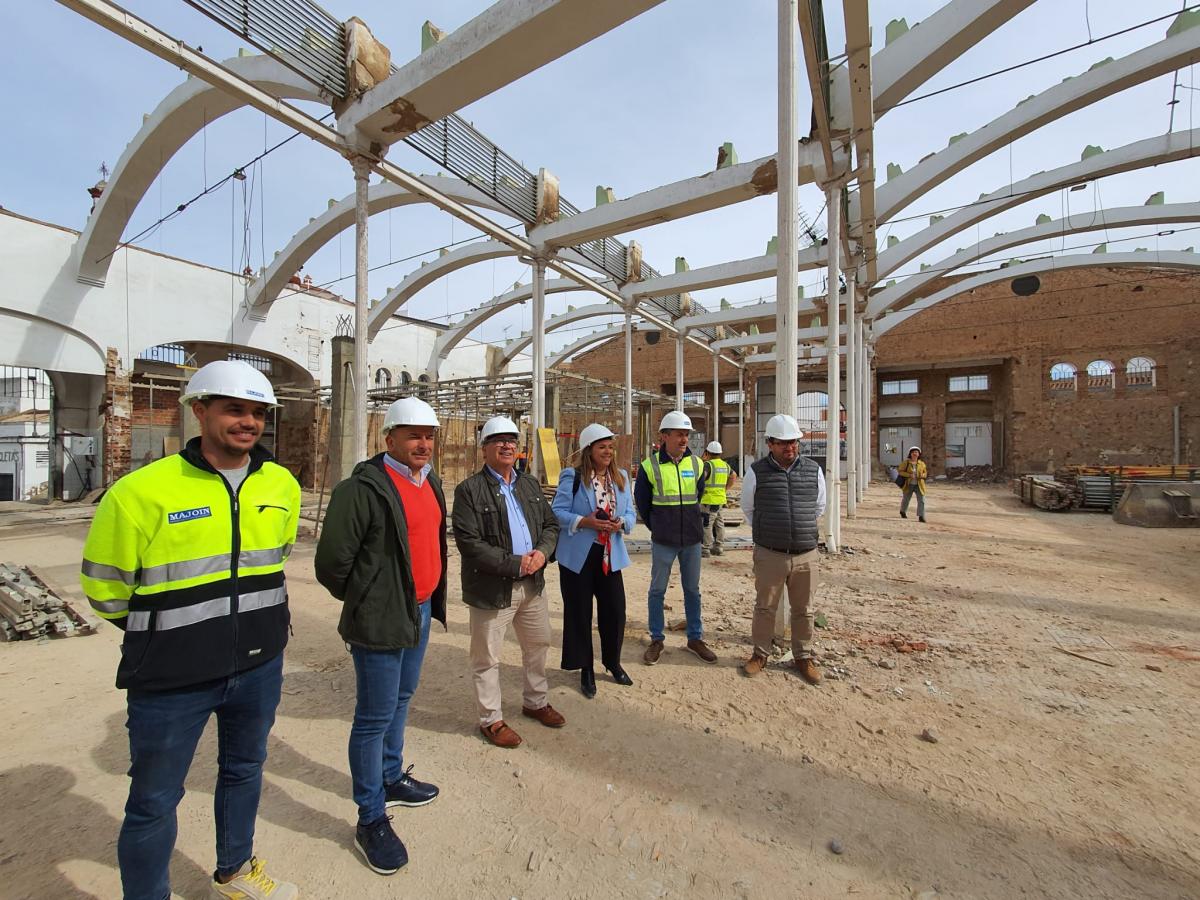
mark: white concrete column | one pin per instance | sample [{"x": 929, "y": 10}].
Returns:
[
  {"x": 628, "y": 372},
  {"x": 833, "y": 481},
  {"x": 680, "y": 339},
  {"x": 715, "y": 429},
  {"x": 741, "y": 422},
  {"x": 852, "y": 423},
  {"x": 537, "y": 417},
  {"x": 362, "y": 171},
  {"x": 864, "y": 393},
  {"x": 786, "y": 350}
]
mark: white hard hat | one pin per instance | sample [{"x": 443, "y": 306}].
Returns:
[
  {"x": 409, "y": 411},
  {"x": 498, "y": 425},
  {"x": 593, "y": 433},
  {"x": 911, "y": 449},
  {"x": 230, "y": 378},
  {"x": 783, "y": 428},
  {"x": 714, "y": 447},
  {"x": 675, "y": 419}
]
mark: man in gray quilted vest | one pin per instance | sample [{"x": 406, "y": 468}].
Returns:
[{"x": 783, "y": 497}]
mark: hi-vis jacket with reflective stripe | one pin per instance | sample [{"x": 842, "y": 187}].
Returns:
[
  {"x": 192, "y": 571},
  {"x": 667, "y": 495},
  {"x": 718, "y": 478}
]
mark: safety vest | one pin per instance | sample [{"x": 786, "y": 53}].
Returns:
[
  {"x": 674, "y": 483},
  {"x": 192, "y": 570},
  {"x": 714, "y": 487}
]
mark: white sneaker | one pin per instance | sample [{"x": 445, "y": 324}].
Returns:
[{"x": 253, "y": 883}]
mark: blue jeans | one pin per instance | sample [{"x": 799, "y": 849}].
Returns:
[
  {"x": 387, "y": 680},
  {"x": 164, "y": 729},
  {"x": 662, "y": 557}
]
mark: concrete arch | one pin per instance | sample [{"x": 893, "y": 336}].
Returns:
[
  {"x": 902, "y": 66},
  {"x": 512, "y": 348},
  {"x": 180, "y": 116},
  {"x": 414, "y": 282},
  {"x": 596, "y": 337},
  {"x": 449, "y": 339},
  {"x": 1054, "y": 103},
  {"x": 337, "y": 218},
  {"x": 1119, "y": 217},
  {"x": 1171, "y": 260},
  {"x": 1154, "y": 151},
  {"x": 43, "y": 343}
]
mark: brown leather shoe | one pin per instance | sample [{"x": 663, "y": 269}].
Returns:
[
  {"x": 701, "y": 650},
  {"x": 501, "y": 735},
  {"x": 547, "y": 715},
  {"x": 807, "y": 669},
  {"x": 754, "y": 665},
  {"x": 653, "y": 652}
]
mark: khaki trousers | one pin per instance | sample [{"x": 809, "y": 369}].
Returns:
[
  {"x": 530, "y": 618},
  {"x": 772, "y": 573}
]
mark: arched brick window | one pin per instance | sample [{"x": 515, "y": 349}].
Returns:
[
  {"x": 1101, "y": 375},
  {"x": 1062, "y": 377},
  {"x": 1139, "y": 372}
]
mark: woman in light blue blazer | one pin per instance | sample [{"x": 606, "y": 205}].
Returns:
[{"x": 594, "y": 506}]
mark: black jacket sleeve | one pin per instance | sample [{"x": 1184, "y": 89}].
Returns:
[
  {"x": 643, "y": 493},
  {"x": 347, "y": 521}
]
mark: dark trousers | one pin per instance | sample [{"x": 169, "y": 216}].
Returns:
[
  {"x": 164, "y": 728},
  {"x": 578, "y": 588}
]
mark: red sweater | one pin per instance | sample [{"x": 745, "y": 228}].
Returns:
[{"x": 424, "y": 518}]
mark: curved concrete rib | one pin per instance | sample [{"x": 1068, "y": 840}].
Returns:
[
  {"x": 49, "y": 357},
  {"x": 1119, "y": 217},
  {"x": 1054, "y": 103},
  {"x": 180, "y": 116},
  {"x": 591, "y": 311},
  {"x": 1171, "y": 260},
  {"x": 1150, "y": 152},
  {"x": 325, "y": 227},
  {"x": 414, "y": 282},
  {"x": 450, "y": 338},
  {"x": 595, "y": 337}
]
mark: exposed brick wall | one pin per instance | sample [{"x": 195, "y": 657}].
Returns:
[
  {"x": 118, "y": 411},
  {"x": 1077, "y": 316}
]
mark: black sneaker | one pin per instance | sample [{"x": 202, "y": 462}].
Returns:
[
  {"x": 409, "y": 792},
  {"x": 383, "y": 851}
]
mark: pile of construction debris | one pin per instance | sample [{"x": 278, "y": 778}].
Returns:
[
  {"x": 29, "y": 609},
  {"x": 1094, "y": 487}
]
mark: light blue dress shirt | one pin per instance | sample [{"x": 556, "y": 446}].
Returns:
[
  {"x": 522, "y": 540},
  {"x": 418, "y": 477}
]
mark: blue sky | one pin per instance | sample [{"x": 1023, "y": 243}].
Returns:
[{"x": 644, "y": 105}]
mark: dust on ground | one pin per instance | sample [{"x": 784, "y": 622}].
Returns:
[{"x": 1009, "y": 710}]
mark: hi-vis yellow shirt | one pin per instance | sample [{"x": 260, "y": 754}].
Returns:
[{"x": 192, "y": 570}]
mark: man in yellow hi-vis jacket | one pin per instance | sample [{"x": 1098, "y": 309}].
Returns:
[{"x": 186, "y": 556}]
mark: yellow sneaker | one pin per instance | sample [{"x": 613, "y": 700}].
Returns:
[{"x": 253, "y": 883}]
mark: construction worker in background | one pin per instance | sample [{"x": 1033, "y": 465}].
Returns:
[
  {"x": 186, "y": 555},
  {"x": 505, "y": 531},
  {"x": 783, "y": 497},
  {"x": 718, "y": 477},
  {"x": 382, "y": 552},
  {"x": 667, "y": 495}
]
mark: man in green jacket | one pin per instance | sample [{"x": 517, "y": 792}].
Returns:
[
  {"x": 506, "y": 532},
  {"x": 382, "y": 552}
]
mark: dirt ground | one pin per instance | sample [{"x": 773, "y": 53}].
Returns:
[{"x": 1052, "y": 775}]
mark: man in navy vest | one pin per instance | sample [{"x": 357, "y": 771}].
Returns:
[{"x": 783, "y": 497}]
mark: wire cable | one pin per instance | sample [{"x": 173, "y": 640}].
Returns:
[{"x": 1030, "y": 62}]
